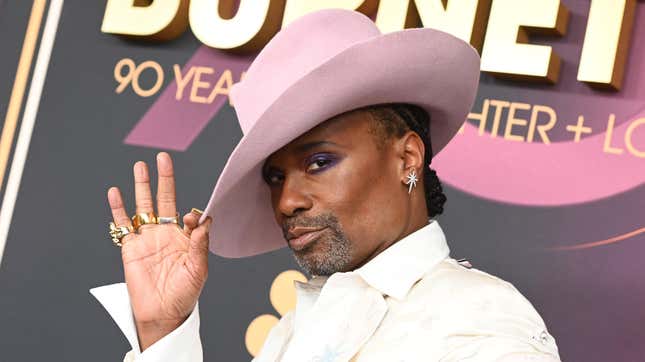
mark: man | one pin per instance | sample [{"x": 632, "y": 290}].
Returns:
[{"x": 340, "y": 125}]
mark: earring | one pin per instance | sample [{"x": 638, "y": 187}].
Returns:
[{"x": 411, "y": 180}]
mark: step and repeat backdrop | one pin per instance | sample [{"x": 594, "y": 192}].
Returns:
[{"x": 545, "y": 181}]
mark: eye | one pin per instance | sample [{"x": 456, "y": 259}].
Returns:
[
  {"x": 273, "y": 178},
  {"x": 319, "y": 162}
]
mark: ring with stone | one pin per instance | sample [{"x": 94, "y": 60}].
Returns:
[{"x": 118, "y": 232}]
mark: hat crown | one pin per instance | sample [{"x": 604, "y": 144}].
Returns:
[{"x": 294, "y": 51}]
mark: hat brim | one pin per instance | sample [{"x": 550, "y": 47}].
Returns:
[{"x": 422, "y": 66}]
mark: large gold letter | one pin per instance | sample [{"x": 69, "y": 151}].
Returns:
[
  {"x": 465, "y": 19},
  {"x": 254, "y": 23},
  {"x": 297, "y": 8},
  {"x": 509, "y": 23},
  {"x": 157, "y": 20},
  {"x": 606, "y": 45}
]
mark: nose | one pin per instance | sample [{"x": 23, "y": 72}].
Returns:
[{"x": 294, "y": 197}]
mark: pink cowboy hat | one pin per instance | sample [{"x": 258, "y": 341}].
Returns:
[{"x": 320, "y": 65}]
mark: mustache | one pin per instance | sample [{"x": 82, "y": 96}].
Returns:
[{"x": 318, "y": 221}]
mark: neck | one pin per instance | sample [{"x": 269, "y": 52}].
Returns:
[{"x": 413, "y": 225}]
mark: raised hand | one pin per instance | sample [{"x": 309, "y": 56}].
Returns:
[{"x": 165, "y": 267}]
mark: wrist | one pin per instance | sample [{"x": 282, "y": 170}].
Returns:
[{"x": 153, "y": 331}]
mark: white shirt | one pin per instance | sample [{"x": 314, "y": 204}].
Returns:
[{"x": 412, "y": 302}]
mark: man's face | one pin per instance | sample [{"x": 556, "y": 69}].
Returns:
[{"x": 339, "y": 192}]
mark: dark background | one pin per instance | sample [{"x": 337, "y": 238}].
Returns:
[{"x": 592, "y": 301}]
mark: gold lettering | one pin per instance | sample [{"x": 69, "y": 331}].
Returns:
[
  {"x": 124, "y": 79},
  {"x": 158, "y": 82},
  {"x": 610, "y": 129},
  {"x": 199, "y": 84},
  {"x": 481, "y": 117},
  {"x": 394, "y": 15},
  {"x": 225, "y": 79},
  {"x": 511, "y": 120},
  {"x": 628, "y": 138},
  {"x": 182, "y": 81},
  {"x": 499, "y": 108},
  {"x": 254, "y": 23},
  {"x": 506, "y": 52},
  {"x": 465, "y": 19},
  {"x": 605, "y": 49},
  {"x": 535, "y": 113},
  {"x": 156, "y": 20}
]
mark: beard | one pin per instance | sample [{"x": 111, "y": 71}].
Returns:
[{"x": 329, "y": 253}]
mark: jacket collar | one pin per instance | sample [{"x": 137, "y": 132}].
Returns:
[
  {"x": 396, "y": 269},
  {"x": 319, "y": 316}
]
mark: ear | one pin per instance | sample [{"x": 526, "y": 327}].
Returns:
[{"x": 411, "y": 150}]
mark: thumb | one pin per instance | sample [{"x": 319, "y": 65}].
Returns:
[{"x": 198, "y": 247}]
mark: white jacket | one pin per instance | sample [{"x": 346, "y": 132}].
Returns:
[{"x": 412, "y": 302}]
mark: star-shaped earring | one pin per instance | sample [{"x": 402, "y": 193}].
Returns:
[{"x": 412, "y": 180}]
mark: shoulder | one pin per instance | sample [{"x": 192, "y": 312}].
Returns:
[
  {"x": 465, "y": 312},
  {"x": 470, "y": 305},
  {"x": 451, "y": 280},
  {"x": 470, "y": 302},
  {"x": 451, "y": 287}
]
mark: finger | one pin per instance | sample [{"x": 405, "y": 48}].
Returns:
[
  {"x": 142, "y": 193},
  {"x": 190, "y": 222},
  {"x": 119, "y": 214},
  {"x": 166, "y": 199},
  {"x": 198, "y": 248}
]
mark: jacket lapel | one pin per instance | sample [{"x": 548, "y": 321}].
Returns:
[
  {"x": 277, "y": 340},
  {"x": 339, "y": 323}
]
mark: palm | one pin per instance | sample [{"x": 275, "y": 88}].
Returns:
[{"x": 163, "y": 279}]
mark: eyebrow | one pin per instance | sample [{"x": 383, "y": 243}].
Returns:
[{"x": 310, "y": 145}]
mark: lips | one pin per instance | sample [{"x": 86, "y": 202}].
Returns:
[{"x": 299, "y": 239}]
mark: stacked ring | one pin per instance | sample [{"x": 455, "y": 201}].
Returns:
[
  {"x": 118, "y": 232},
  {"x": 143, "y": 218},
  {"x": 168, "y": 219}
]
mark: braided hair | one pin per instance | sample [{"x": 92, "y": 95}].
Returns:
[{"x": 394, "y": 119}]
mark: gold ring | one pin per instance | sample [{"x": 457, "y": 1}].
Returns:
[
  {"x": 118, "y": 232},
  {"x": 196, "y": 211},
  {"x": 143, "y": 218},
  {"x": 168, "y": 219}
]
